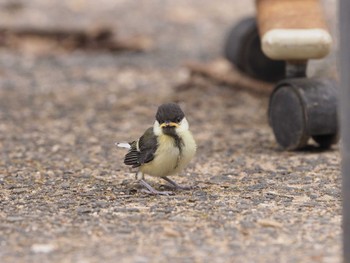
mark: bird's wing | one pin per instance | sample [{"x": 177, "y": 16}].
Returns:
[{"x": 142, "y": 151}]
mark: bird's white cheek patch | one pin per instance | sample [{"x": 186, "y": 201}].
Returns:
[
  {"x": 157, "y": 129},
  {"x": 183, "y": 126}
]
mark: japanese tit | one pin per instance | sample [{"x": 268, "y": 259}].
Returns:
[{"x": 164, "y": 149}]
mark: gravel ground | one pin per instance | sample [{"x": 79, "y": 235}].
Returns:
[{"x": 65, "y": 195}]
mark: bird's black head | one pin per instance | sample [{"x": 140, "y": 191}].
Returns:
[{"x": 169, "y": 113}]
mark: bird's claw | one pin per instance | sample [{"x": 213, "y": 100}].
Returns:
[
  {"x": 151, "y": 191},
  {"x": 176, "y": 186},
  {"x": 155, "y": 192}
]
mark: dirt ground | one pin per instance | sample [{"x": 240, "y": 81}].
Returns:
[{"x": 65, "y": 195}]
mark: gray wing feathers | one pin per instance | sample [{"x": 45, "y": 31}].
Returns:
[{"x": 144, "y": 153}]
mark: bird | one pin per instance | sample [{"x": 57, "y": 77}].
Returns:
[{"x": 163, "y": 150}]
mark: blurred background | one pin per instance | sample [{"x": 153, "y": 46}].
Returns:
[{"x": 78, "y": 75}]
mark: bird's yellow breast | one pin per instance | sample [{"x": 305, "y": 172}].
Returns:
[{"x": 168, "y": 158}]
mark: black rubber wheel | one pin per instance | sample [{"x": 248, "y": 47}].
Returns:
[
  {"x": 243, "y": 49},
  {"x": 326, "y": 141},
  {"x": 301, "y": 108},
  {"x": 287, "y": 119}
]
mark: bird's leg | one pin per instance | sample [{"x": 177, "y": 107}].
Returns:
[
  {"x": 151, "y": 190},
  {"x": 177, "y": 186},
  {"x": 139, "y": 176}
]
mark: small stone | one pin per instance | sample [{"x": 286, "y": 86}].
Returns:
[
  {"x": 101, "y": 204},
  {"x": 55, "y": 148},
  {"x": 269, "y": 223},
  {"x": 43, "y": 248},
  {"x": 127, "y": 210},
  {"x": 65, "y": 185},
  {"x": 84, "y": 210},
  {"x": 171, "y": 232},
  {"x": 14, "y": 218}
]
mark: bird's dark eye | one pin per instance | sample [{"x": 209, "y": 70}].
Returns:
[{"x": 178, "y": 119}]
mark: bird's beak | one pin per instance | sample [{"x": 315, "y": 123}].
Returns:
[{"x": 169, "y": 124}]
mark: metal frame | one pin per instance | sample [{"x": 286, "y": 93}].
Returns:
[
  {"x": 296, "y": 69},
  {"x": 344, "y": 59}
]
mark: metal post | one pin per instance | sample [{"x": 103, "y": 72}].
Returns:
[
  {"x": 296, "y": 69},
  {"x": 344, "y": 59}
]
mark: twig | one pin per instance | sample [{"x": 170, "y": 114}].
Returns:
[
  {"x": 222, "y": 72},
  {"x": 101, "y": 38}
]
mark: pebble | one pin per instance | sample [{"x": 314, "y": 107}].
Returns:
[
  {"x": 14, "y": 218},
  {"x": 43, "y": 248},
  {"x": 84, "y": 210}
]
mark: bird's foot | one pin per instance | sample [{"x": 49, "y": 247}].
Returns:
[
  {"x": 156, "y": 192},
  {"x": 177, "y": 186},
  {"x": 150, "y": 190}
]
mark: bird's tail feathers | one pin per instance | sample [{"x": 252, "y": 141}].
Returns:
[{"x": 123, "y": 145}]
